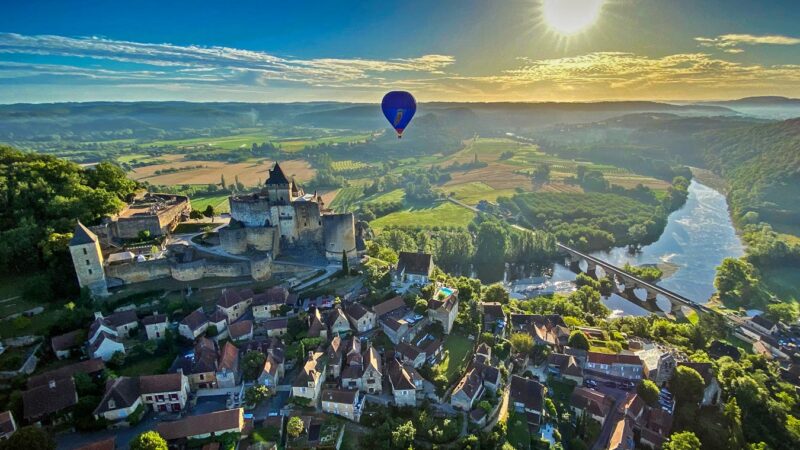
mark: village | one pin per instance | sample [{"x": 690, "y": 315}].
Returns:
[{"x": 269, "y": 369}]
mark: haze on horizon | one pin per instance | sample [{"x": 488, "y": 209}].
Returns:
[{"x": 450, "y": 50}]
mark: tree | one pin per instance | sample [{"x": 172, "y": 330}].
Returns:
[
  {"x": 209, "y": 212},
  {"x": 294, "y": 427},
  {"x": 222, "y": 181},
  {"x": 637, "y": 233},
  {"x": 550, "y": 407},
  {"x": 196, "y": 215},
  {"x": 403, "y": 436},
  {"x": 144, "y": 235},
  {"x": 578, "y": 340},
  {"x": 648, "y": 391},
  {"x": 117, "y": 359},
  {"x": 687, "y": 385},
  {"x": 736, "y": 281},
  {"x": 256, "y": 394},
  {"x": 492, "y": 243},
  {"x": 521, "y": 342},
  {"x": 496, "y": 293},
  {"x": 30, "y": 438},
  {"x": 783, "y": 312},
  {"x": 345, "y": 263},
  {"x": 420, "y": 306},
  {"x": 149, "y": 440},
  {"x": 685, "y": 440},
  {"x": 253, "y": 364}
]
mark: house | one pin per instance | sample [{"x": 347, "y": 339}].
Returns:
[
  {"x": 201, "y": 367},
  {"x": 361, "y": 319},
  {"x": 241, "y": 330},
  {"x": 768, "y": 346},
  {"x": 337, "y": 322},
  {"x": 622, "y": 437},
  {"x": 717, "y": 349},
  {"x": 405, "y": 382},
  {"x": 342, "y": 402},
  {"x": 761, "y": 324},
  {"x": 468, "y": 391},
  {"x": 217, "y": 325},
  {"x": 659, "y": 361},
  {"x": 550, "y": 330},
  {"x": 591, "y": 403},
  {"x": 269, "y": 303},
  {"x": 316, "y": 325},
  {"x": 120, "y": 401},
  {"x": 193, "y": 325},
  {"x": 353, "y": 364},
  {"x": 560, "y": 365},
  {"x": 651, "y": 424},
  {"x": 410, "y": 354},
  {"x": 125, "y": 323},
  {"x": 155, "y": 326},
  {"x": 7, "y": 425},
  {"x": 489, "y": 374},
  {"x": 308, "y": 383},
  {"x": 234, "y": 303},
  {"x": 527, "y": 397},
  {"x": 63, "y": 345},
  {"x": 203, "y": 426},
  {"x": 272, "y": 371},
  {"x": 389, "y": 306},
  {"x": 618, "y": 367},
  {"x": 92, "y": 367},
  {"x": 277, "y": 327},
  {"x": 494, "y": 318},
  {"x": 166, "y": 392},
  {"x": 414, "y": 268},
  {"x": 334, "y": 354},
  {"x": 398, "y": 321},
  {"x": 228, "y": 366},
  {"x": 712, "y": 392},
  {"x": 372, "y": 378},
  {"x": 443, "y": 307},
  {"x": 433, "y": 350},
  {"x": 45, "y": 402},
  {"x": 105, "y": 345}
]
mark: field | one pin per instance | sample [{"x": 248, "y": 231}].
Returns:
[
  {"x": 784, "y": 282},
  {"x": 443, "y": 215},
  {"x": 397, "y": 195},
  {"x": 250, "y": 173},
  {"x": 340, "y": 166},
  {"x": 472, "y": 193},
  {"x": 458, "y": 347},
  {"x": 218, "y": 202}
]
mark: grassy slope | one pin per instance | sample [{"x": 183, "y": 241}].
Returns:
[{"x": 442, "y": 215}]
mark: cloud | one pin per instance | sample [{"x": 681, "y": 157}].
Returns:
[
  {"x": 730, "y": 43},
  {"x": 197, "y": 72},
  {"x": 200, "y": 58}
]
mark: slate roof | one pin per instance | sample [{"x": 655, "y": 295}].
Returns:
[
  {"x": 49, "y": 398},
  {"x": 89, "y": 366},
  {"x": 155, "y": 319},
  {"x": 470, "y": 385},
  {"x": 528, "y": 392},
  {"x": 205, "y": 356},
  {"x": 407, "y": 350},
  {"x": 334, "y": 315},
  {"x": 118, "y": 319},
  {"x": 276, "y": 176},
  {"x": 120, "y": 393},
  {"x": 311, "y": 371},
  {"x": 277, "y": 295},
  {"x": 202, "y": 424},
  {"x": 389, "y": 306},
  {"x": 415, "y": 263},
  {"x": 567, "y": 364},
  {"x": 240, "y": 328},
  {"x": 82, "y": 235},
  {"x": 195, "y": 320},
  {"x": 156, "y": 384},
  {"x": 400, "y": 376},
  {"x": 762, "y": 321},
  {"x": 277, "y": 323},
  {"x": 231, "y": 297},
  {"x": 356, "y": 311},
  {"x": 66, "y": 341},
  {"x": 342, "y": 396},
  {"x": 593, "y": 401}
]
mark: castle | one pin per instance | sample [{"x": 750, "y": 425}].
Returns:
[{"x": 280, "y": 220}]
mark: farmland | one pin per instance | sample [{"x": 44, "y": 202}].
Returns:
[
  {"x": 250, "y": 173},
  {"x": 442, "y": 215}
]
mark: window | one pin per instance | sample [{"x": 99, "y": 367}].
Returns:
[
  {"x": 85, "y": 252},
  {"x": 90, "y": 271},
  {"x": 87, "y": 262}
]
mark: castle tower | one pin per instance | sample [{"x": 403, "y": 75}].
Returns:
[
  {"x": 88, "y": 260},
  {"x": 279, "y": 187}
]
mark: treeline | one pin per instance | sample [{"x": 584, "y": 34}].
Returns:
[
  {"x": 597, "y": 220},
  {"x": 486, "y": 246},
  {"x": 41, "y": 197},
  {"x": 418, "y": 185}
]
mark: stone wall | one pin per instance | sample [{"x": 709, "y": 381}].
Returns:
[
  {"x": 233, "y": 240},
  {"x": 339, "y": 235},
  {"x": 261, "y": 267},
  {"x": 135, "y": 272},
  {"x": 251, "y": 210}
]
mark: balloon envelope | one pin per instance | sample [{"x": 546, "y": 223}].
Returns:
[{"x": 399, "y": 107}]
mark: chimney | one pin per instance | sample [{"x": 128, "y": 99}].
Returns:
[
  {"x": 98, "y": 315},
  {"x": 52, "y": 384}
]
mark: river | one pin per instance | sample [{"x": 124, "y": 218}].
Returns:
[{"x": 696, "y": 239}]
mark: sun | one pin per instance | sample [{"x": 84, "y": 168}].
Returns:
[{"x": 571, "y": 16}]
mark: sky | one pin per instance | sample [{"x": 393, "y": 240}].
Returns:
[{"x": 356, "y": 50}]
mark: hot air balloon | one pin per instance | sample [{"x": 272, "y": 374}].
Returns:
[{"x": 399, "y": 107}]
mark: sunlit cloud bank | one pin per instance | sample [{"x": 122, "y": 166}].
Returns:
[{"x": 162, "y": 71}]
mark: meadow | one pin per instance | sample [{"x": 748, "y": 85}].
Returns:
[
  {"x": 442, "y": 215},
  {"x": 250, "y": 173}
]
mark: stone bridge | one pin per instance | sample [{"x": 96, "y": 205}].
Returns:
[{"x": 631, "y": 283}]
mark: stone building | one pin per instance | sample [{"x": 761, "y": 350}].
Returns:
[{"x": 87, "y": 258}]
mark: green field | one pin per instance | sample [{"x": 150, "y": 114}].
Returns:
[
  {"x": 340, "y": 166},
  {"x": 458, "y": 347},
  {"x": 472, "y": 193},
  {"x": 397, "y": 195},
  {"x": 783, "y": 282},
  {"x": 445, "y": 214},
  {"x": 148, "y": 366},
  {"x": 218, "y": 202},
  {"x": 346, "y": 199}
]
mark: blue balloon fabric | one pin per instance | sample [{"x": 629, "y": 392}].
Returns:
[{"x": 399, "y": 108}]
